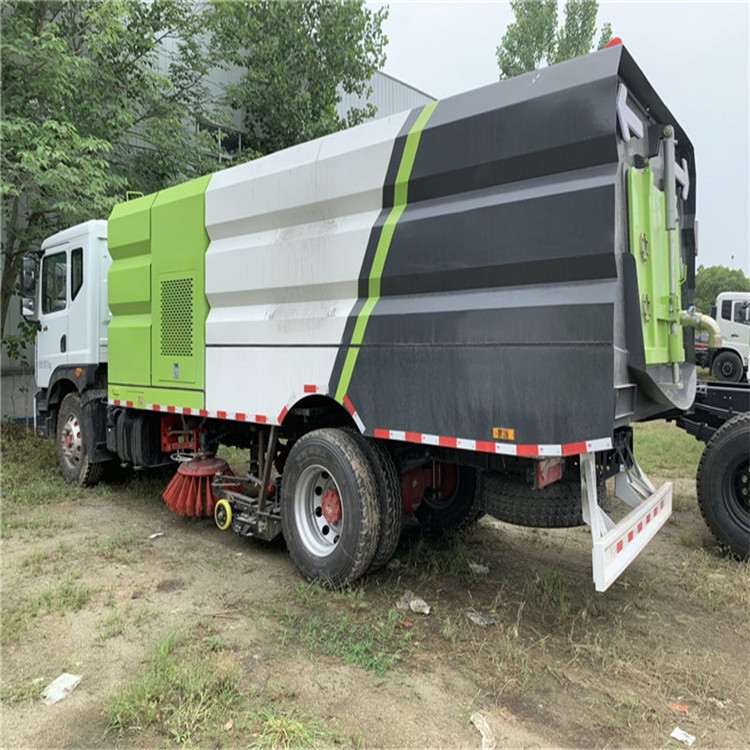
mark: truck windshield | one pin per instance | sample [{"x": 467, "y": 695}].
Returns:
[
  {"x": 54, "y": 282},
  {"x": 742, "y": 312}
]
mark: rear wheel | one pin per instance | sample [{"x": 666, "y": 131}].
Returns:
[
  {"x": 727, "y": 367},
  {"x": 329, "y": 512},
  {"x": 723, "y": 484},
  {"x": 390, "y": 501},
  {"x": 455, "y": 501},
  {"x": 72, "y": 444}
]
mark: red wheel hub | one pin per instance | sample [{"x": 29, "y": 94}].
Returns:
[{"x": 331, "y": 505}]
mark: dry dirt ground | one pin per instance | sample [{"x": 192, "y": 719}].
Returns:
[{"x": 86, "y": 590}]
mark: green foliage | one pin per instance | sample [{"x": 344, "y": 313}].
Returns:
[
  {"x": 534, "y": 38},
  {"x": 711, "y": 281},
  {"x": 297, "y": 58},
  {"x": 84, "y": 84},
  {"x": 99, "y": 98}
]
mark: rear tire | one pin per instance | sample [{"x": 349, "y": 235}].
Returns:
[
  {"x": 723, "y": 484},
  {"x": 461, "y": 509},
  {"x": 329, "y": 507},
  {"x": 390, "y": 501},
  {"x": 72, "y": 444},
  {"x": 727, "y": 367}
]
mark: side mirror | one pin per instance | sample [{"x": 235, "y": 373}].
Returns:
[
  {"x": 27, "y": 283},
  {"x": 27, "y": 277}
]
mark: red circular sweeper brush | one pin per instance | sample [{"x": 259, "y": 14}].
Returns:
[{"x": 189, "y": 493}]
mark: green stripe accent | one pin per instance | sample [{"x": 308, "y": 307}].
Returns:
[{"x": 400, "y": 195}]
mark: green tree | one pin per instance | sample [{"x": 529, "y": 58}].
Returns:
[
  {"x": 712, "y": 280},
  {"x": 534, "y": 37},
  {"x": 296, "y": 60},
  {"x": 85, "y": 86}
]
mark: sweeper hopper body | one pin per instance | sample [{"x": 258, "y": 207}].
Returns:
[{"x": 419, "y": 313}]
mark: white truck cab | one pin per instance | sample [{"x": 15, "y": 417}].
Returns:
[
  {"x": 732, "y": 313},
  {"x": 70, "y": 307}
]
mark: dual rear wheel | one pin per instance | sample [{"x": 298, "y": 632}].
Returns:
[{"x": 342, "y": 508}]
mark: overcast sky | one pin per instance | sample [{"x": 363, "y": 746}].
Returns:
[{"x": 695, "y": 54}]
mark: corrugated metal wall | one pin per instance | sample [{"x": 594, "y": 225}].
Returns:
[{"x": 389, "y": 95}]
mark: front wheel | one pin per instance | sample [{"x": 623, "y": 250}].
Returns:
[
  {"x": 727, "y": 367},
  {"x": 329, "y": 507},
  {"x": 72, "y": 444},
  {"x": 723, "y": 484}
]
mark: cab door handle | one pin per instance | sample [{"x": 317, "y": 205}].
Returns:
[{"x": 64, "y": 343}]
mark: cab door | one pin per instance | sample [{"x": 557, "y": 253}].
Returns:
[{"x": 52, "y": 339}]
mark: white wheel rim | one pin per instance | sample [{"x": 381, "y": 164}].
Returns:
[
  {"x": 72, "y": 442},
  {"x": 318, "y": 524}
]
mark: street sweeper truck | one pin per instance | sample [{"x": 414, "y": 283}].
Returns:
[{"x": 448, "y": 312}]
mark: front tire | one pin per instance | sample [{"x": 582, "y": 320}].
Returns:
[
  {"x": 723, "y": 484},
  {"x": 727, "y": 367},
  {"x": 329, "y": 507},
  {"x": 72, "y": 444}
]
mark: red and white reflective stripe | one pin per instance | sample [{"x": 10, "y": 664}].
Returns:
[
  {"x": 490, "y": 446},
  {"x": 640, "y": 527},
  {"x": 233, "y": 416},
  {"x": 357, "y": 420}
]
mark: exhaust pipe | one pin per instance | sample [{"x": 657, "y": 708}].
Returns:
[{"x": 702, "y": 322}]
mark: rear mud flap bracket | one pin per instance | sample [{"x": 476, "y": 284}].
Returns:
[{"x": 616, "y": 545}]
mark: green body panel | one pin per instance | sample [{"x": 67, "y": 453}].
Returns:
[
  {"x": 649, "y": 246},
  {"x": 129, "y": 228},
  {"x": 142, "y": 397},
  {"x": 178, "y": 230},
  {"x": 129, "y": 292},
  {"x": 156, "y": 294}
]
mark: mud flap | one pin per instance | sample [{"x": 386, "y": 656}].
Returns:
[{"x": 616, "y": 545}]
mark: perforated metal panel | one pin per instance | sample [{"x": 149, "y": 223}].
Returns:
[{"x": 177, "y": 318}]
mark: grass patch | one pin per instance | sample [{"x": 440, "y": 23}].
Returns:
[
  {"x": 664, "y": 450},
  {"x": 444, "y": 555},
  {"x": 191, "y": 693},
  {"x": 119, "y": 547},
  {"x": 717, "y": 583},
  {"x": 113, "y": 625},
  {"x": 27, "y": 691},
  {"x": 287, "y": 729},
  {"x": 554, "y": 599},
  {"x": 68, "y": 597},
  {"x": 188, "y": 689},
  {"x": 30, "y": 477},
  {"x": 376, "y": 646}
]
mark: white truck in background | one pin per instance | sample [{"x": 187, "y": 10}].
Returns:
[{"x": 729, "y": 364}]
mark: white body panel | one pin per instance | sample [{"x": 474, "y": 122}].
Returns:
[
  {"x": 288, "y": 236},
  {"x": 67, "y": 336},
  {"x": 262, "y": 381}
]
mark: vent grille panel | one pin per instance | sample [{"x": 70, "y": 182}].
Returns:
[{"x": 177, "y": 318}]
